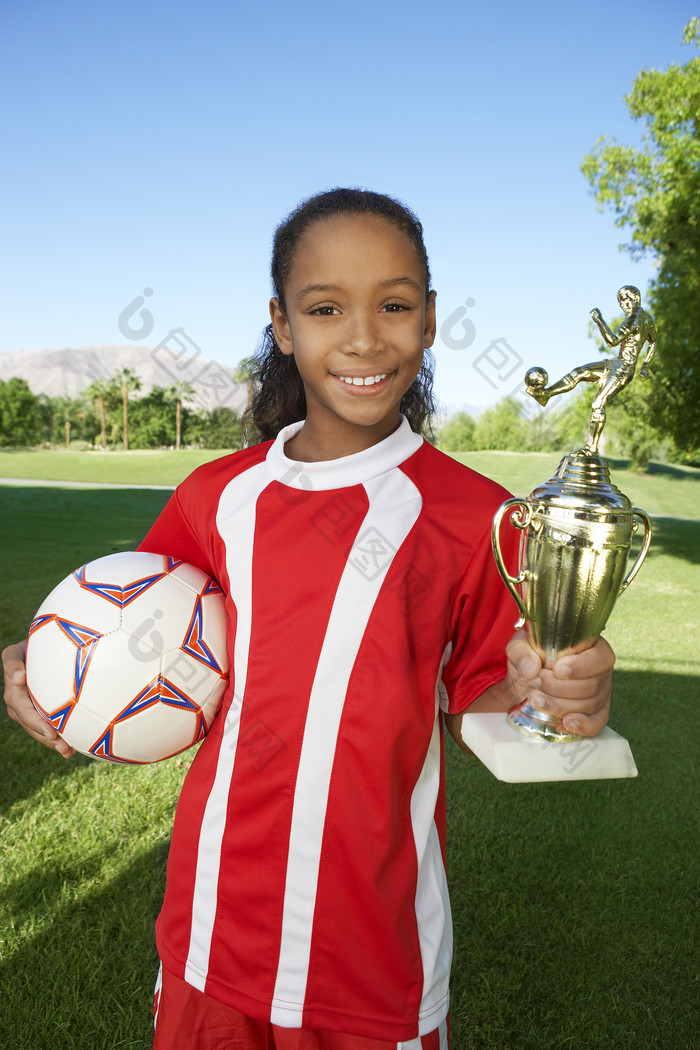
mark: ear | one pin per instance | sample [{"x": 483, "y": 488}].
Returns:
[
  {"x": 430, "y": 322},
  {"x": 280, "y": 326}
]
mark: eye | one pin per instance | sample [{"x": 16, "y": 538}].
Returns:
[
  {"x": 393, "y": 308},
  {"x": 324, "y": 311}
]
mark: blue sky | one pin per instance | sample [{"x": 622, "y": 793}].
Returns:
[{"x": 157, "y": 145}]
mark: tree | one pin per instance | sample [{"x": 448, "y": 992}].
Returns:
[
  {"x": 66, "y": 419},
  {"x": 569, "y": 422},
  {"x": 151, "y": 423},
  {"x": 20, "y": 419},
  {"x": 501, "y": 427},
  {"x": 222, "y": 428},
  {"x": 53, "y": 415},
  {"x": 176, "y": 393},
  {"x": 127, "y": 380},
  {"x": 627, "y": 435},
  {"x": 98, "y": 393},
  {"x": 457, "y": 433},
  {"x": 654, "y": 191}
]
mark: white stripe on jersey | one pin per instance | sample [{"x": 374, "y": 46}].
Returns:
[
  {"x": 434, "y": 924},
  {"x": 156, "y": 994},
  {"x": 394, "y": 506},
  {"x": 417, "y": 1043},
  {"x": 235, "y": 517}
]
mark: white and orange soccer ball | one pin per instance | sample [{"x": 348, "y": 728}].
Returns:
[{"x": 127, "y": 657}]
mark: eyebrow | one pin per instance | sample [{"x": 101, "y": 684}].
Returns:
[
  {"x": 390, "y": 283},
  {"x": 402, "y": 280},
  {"x": 308, "y": 288}
]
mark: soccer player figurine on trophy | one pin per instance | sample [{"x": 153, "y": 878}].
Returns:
[
  {"x": 577, "y": 527},
  {"x": 612, "y": 375}
]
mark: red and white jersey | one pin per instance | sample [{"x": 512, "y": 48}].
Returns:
[{"x": 306, "y": 880}]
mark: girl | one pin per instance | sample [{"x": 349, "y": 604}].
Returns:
[{"x": 306, "y": 903}]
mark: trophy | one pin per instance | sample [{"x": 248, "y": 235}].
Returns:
[{"x": 577, "y": 527}]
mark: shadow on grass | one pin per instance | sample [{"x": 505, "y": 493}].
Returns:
[
  {"x": 669, "y": 470},
  {"x": 572, "y": 900},
  {"x": 666, "y": 470},
  {"x": 86, "y": 980},
  {"x": 676, "y": 537},
  {"x": 27, "y": 765},
  {"x": 572, "y": 905}
]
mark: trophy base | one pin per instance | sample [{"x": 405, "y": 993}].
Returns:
[
  {"x": 537, "y": 725},
  {"x": 515, "y": 760}
]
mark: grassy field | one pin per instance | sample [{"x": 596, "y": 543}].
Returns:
[
  {"x": 573, "y": 902},
  {"x": 671, "y": 489},
  {"x": 125, "y": 468}
]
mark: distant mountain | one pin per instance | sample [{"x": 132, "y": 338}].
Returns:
[{"x": 66, "y": 373}]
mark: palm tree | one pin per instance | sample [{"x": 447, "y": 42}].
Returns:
[
  {"x": 63, "y": 407},
  {"x": 96, "y": 393},
  {"x": 176, "y": 393},
  {"x": 127, "y": 380}
]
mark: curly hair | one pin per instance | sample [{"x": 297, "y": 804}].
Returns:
[{"x": 278, "y": 389}]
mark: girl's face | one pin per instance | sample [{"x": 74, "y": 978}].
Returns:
[{"x": 357, "y": 321}]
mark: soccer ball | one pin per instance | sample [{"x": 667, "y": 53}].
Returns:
[
  {"x": 127, "y": 657},
  {"x": 536, "y": 378}
]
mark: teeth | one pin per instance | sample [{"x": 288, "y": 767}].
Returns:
[{"x": 359, "y": 381}]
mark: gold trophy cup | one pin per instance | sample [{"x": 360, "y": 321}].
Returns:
[{"x": 576, "y": 528}]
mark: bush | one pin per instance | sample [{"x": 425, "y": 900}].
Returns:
[
  {"x": 222, "y": 429},
  {"x": 502, "y": 428},
  {"x": 457, "y": 433}
]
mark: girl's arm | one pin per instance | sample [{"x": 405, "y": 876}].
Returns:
[{"x": 576, "y": 689}]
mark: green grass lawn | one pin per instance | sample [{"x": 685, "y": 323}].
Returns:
[
  {"x": 573, "y": 903},
  {"x": 666, "y": 489},
  {"x": 126, "y": 468}
]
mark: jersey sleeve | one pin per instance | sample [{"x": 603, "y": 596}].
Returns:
[
  {"x": 483, "y": 621},
  {"x": 172, "y": 534}
]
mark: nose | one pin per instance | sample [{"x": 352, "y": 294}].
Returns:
[{"x": 363, "y": 336}]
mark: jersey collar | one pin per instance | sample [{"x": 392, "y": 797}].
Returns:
[{"x": 344, "y": 472}]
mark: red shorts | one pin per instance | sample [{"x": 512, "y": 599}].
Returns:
[{"x": 186, "y": 1019}]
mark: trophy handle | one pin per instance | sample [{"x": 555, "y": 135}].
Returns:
[
  {"x": 521, "y": 521},
  {"x": 636, "y": 512}
]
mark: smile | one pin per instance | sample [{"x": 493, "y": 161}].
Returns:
[{"x": 363, "y": 380}]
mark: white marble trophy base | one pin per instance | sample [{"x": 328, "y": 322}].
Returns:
[{"x": 516, "y": 760}]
